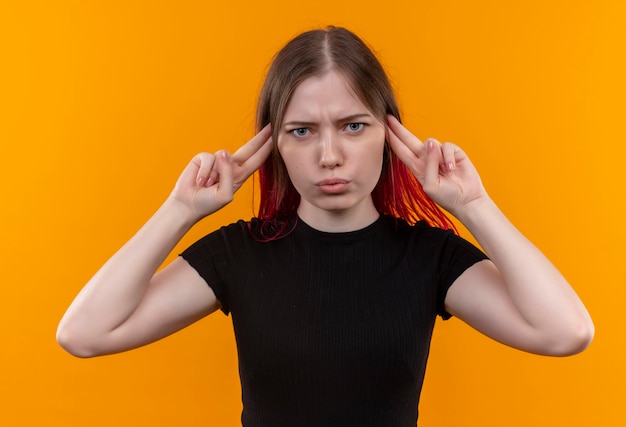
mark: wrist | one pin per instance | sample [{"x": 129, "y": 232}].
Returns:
[
  {"x": 177, "y": 214},
  {"x": 476, "y": 210}
]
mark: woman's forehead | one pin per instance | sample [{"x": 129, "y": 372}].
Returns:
[{"x": 327, "y": 96}]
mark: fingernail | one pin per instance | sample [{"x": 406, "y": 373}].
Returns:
[
  {"x": 210, "y": 181},
  {"x": 451, "y": 166},
  {"x": 199, "y": 181}
]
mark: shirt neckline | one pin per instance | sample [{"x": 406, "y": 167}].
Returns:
[{"x": 306, "y": 229}]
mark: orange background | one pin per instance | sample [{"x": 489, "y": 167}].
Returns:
[{"x": 103, "y": 103}]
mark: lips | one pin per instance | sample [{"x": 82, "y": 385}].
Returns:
[{"x": 333, "y": 185}]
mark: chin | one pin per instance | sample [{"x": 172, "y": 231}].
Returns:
[{"x": 337, "y": 204}]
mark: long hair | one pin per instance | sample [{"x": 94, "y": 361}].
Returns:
[{"x": 314, "y": 53}]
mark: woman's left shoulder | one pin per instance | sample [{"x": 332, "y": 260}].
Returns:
[{"x": 420, "y": 228}]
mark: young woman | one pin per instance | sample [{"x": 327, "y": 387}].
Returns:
[{"x": 335, "y": 287}]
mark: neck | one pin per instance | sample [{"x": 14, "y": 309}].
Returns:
[{"x": 337, "y": 221}]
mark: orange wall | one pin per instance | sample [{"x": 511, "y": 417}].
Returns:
[{"x": 103, "y": 103}]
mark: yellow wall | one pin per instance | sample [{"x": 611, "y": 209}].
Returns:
[{"x": 102, "y": 103}]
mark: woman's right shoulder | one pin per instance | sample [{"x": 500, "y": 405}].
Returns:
[{"x": 235, "y": 230}]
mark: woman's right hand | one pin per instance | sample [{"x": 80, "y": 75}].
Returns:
[
  {"x": 125, "y": 304},
  {"x": 209, "y": 181}
]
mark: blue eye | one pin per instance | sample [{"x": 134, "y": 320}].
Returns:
[
  {"x": 299, "y": 132},
  {"x": 355, "y": 127}
]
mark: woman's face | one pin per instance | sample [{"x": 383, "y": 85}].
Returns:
[{"x": 332, "y": 146}]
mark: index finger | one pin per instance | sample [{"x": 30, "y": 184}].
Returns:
[
  {"x": 252, "y": 148},
  {"x": 404, "y": 136}
]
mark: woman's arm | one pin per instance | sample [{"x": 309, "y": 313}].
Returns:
[
  {"x": 125, "y": 304},
  {"x": 517, "y": 297}
]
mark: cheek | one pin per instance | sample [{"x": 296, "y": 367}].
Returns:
[
  {"x": 278, "y": 147},
  {"x": 378, "y": 154},
  {"x": 285, "y": 148},
  {"x": 282, "y": 150},
  {"x": 284, "y": 153},
  {"x": 379, "y": 146},
  {"x": 293, "y": 152},
  {"x": 288, "y": 156}
]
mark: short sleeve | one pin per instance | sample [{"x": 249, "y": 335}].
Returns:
[
  {"x": 212, "y": 257},
  {"x": 457, "y": 255}
]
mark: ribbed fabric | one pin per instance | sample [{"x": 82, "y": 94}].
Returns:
[{"x": 332, "y": 329}]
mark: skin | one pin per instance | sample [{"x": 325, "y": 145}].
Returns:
[
  {"x": 332, "y": 146},
  {"x": 517, "y": 297},
  {"x": 126, "y": 304}
]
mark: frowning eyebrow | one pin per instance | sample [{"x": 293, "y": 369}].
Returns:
[{"x": 346, "y": 119}]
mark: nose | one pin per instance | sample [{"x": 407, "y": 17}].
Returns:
[{"x": 330, "y": 156}]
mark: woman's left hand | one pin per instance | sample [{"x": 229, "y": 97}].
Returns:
[
  {"x": 445, "y": 172},
  {"x": 517, "y": 297}
]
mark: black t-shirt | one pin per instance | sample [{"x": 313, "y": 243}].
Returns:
[{"x": 332, "y": 329}]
